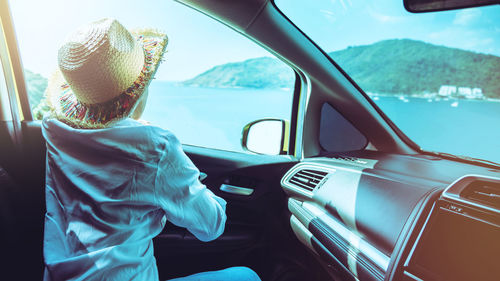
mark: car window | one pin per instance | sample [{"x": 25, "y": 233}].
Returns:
[
  {"x": 212, "y": 82},
  {"x": 436, "y": 75},
  {"x": 336, "y": 134}
]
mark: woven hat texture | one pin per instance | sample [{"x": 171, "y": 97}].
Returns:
[{"x": 103, "y": 71}]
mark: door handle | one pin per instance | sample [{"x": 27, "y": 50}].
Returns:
[{"x": 238, "y": 190}]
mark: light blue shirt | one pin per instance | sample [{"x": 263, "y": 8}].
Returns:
[{"x": 110, "y": 191}]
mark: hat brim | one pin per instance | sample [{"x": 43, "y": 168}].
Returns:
[{"x": 65, "y": 106}]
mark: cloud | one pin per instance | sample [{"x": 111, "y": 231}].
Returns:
[
  {"x": 462, "y": 38},
  {"x": 329, "y": 15},
  {"x": 342, "y": 2},
  {"x": 466, "y": 17},
  {"x": 383, "y": 18}
]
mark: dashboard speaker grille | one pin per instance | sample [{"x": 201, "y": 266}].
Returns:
[{"x": 307, "y": 178}]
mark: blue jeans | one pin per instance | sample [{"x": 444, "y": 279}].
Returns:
[{"x": 237, "y": 273}]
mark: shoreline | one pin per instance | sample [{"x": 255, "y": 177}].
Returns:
[{"x": 433, "y": 97}]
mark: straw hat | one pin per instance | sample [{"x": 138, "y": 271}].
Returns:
[{"x": 103, "y": 71}]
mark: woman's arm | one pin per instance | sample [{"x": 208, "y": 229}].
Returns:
[{"x": 186, "y": 201}]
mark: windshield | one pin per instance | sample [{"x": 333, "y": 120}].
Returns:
[{"x": 436, "y": 75}]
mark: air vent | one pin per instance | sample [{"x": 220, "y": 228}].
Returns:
[
  {"x": 307, "y": 178},
  {"x": 484, "y": 192}
]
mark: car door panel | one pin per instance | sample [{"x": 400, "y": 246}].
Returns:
[{"x": 248, "y": 216}]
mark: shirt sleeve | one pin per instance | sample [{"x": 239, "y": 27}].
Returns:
[{"x": 186, "y": 201}]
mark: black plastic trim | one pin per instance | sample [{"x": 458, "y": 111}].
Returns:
[
  {"x": 407, "y": 7},
  {"x": 295, "y": 114},
  {"x": 323, "y": 149}
]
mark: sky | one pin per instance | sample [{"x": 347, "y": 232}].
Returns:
[
  {"x": 337, "y": 24},
  {"x": 197, "y": 42}
]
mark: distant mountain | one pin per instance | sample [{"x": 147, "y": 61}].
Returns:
[
  {"x": 399, "y": 66},
  {"x": 261, "y": 72},
  {"x": 36, "y": 84},
  {"x": 412, "y": 67}
]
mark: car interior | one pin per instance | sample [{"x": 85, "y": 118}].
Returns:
[{"x": 348, "y": 196}]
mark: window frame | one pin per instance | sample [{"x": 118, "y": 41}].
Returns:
[
  {"x": 11, "y": 60},
  {"x": 299, "y": 95}
]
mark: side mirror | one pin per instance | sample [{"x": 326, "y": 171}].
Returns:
[{"x": 266, "y": 136}]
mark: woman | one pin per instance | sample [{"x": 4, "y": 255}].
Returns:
[{"x": 111, "y": 181}]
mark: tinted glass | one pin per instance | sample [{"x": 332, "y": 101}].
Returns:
[{"x": 337, "y": 134}]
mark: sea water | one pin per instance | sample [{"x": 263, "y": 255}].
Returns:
[
  {"x": 214, "y": 117},
  {"x": 457, "y": 126}
]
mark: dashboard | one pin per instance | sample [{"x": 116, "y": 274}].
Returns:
[{"x": 383, "y": 217}]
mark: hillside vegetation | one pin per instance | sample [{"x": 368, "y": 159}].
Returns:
[
  {"x": 36, "y": 84},
  {"x": 399, "y": 66},
  {"x": 413, "y": 67},
  {"x": 262, "y": 72}
]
